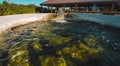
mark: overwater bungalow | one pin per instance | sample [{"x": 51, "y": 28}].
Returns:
[{"x": 82, "y": 5}]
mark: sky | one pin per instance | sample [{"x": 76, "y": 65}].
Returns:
[{"x": 36, "y": 2}]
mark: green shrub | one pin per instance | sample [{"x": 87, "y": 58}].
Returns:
[{"x": 9, "y": 9}]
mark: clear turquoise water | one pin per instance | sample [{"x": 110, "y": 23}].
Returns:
[{"x": 75, "y": 43}]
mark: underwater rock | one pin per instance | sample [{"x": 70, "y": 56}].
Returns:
[
  {"x": 37, "y": 47},
  {"x": 91, "y": 40}
]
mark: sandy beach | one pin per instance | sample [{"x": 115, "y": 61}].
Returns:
[{"x": 7, "y": 22}]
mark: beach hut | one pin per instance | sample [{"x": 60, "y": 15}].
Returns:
[{"x": 81, "y": 5}]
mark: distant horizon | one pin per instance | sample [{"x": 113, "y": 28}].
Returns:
[{"x": 25, "y": 2}]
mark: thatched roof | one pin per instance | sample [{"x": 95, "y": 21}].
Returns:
[{"x": 76, "y": 1}]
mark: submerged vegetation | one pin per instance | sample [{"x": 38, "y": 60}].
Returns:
[{"x": 60, "y": 44}]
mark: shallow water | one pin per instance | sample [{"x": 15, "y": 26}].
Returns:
[{"x": 75, "y": 43}]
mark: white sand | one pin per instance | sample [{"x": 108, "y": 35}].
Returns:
[{"x": 13, "y": 20}]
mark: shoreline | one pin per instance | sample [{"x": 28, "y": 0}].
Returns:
[
  {"x": 7, "y": 22},
  {"x": 111, "y": 20}
]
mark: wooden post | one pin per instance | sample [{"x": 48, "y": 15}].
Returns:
[
  {"x": 79, "y": 8},
  {"x": 94, "y": 7},
  {"x": 64, "y": 7},
  {"x": 71, "y": 9},
  {"x": 48, "y": 8},
  {"x": 57, "y": 8},
  {"x": 51, "y": 9},
  {"x": 76, "y": 7},
  {"x": 112, "y": 7},
  {"x": 41, "y": 9}
]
